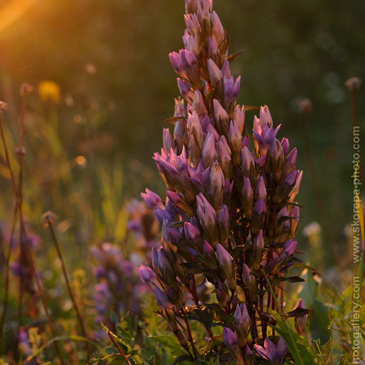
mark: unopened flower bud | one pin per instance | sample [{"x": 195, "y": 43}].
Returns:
[
  {"x": 224, "y": 156},
  {"x": 168, "y": 141},
  {"x": 207, "y": 249},
  {"x": 192, "y": 233},
  {"x": 223, "y": 225},
  {"x": 247, "y": 197},
  {"x": 249, "y": 282},
  {"x": 215, "y": 73},
  {"x": 196, "y": 137},
  {"x": 242, "y": 321},
  {"x": 221, "y": 117},
  {"x": 247, "y": 163},
  {"x": 151, "y": 199},
  {"x": 258, "y": 215},
  {"x": 239, "y": 118},
  {"x": 231, "y": 341},
  {"x": 216, "y": 185},
  {"x": 258, "y": 247},
  {"x": 146, "y": 274},
  {"x": 217, "y": 28},
  {"x": 207, "y": 216},
  {"x": 235, "y": 138},
  {"x": 225, "y": 261},
  {"x": 285, "y": 145},
  {"x": 260, "y": 192},
  {"x": 198, "y": 104},
  {"x": 209, "y": 153},
  {"x": 185, "y": 90}
]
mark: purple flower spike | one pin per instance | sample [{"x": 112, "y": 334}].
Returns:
[{"x": 228, "y": 192}]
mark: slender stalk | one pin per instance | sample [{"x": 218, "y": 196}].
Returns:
[
  {"x": 119, "y": 348},
  {"x": 7, "y": 279},
  {"x": 48, "y": 219},
  {"x": 190, "y": 336},
  {"x": 353, "y": 84},
  {"x": 38, "y": 284},
  {"x": 12, "y": 230},
  {"x": 20, "y": 152},
  {"x": 40, "y": 290}
]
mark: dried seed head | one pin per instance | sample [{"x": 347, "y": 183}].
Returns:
[
  {"x": 3, "y": 106},
  {"x": 305, "y": 105},
  {"x": 353, "y": 83},
  {"x": 25, "y": 89}
]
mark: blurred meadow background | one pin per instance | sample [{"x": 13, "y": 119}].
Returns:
[
  {"x": 103, "y": 87},
  {"x": 115, "y": 87}
]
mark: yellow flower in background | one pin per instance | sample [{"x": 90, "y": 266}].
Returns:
[{"x": 49, "y": 91}]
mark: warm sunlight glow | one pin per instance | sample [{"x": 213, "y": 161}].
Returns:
[{"x": 13, "y": 12}]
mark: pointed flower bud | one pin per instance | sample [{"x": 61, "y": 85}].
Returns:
[
  {"x": 235, "y": 139},
  {"x": 185, "y": 90},
  {"x": 249, "y": 282},
  {"x": 168, "y": 141},
  {"x": 231, "y": 341},
  {"x": 247, "y": 163},
  {"x": 192, "y": 233},
  {"x": 151, "y": 199},
  {"x": 247, "y": 197},
  {"x": 260, "y": 192},
  {"x": 239, "y": 118},
  {"x": 258, "y": 215},
  {"x": 215, "y": 73},
  {"x": 242, "y": 321},
  {"x": 207, "y": 216},
  {"x": 221, "y": 117},
  {"x": 209, "y": 153},
  {"x": 224, "y": 156},
  {"x": 258, "y": 247},
  {"x": 146, "y": 274},
  {"x": 223, "y": 225},
  {"x": 225, "y": 261},
  {"x": 196, "y": 137},
  {"x": 217, "y": 28},
  {"x": 216, "y": 185}
]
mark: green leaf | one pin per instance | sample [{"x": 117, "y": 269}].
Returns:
[
  {"x": 297, "y": 346},
  {"x": 319, "y": 322},
  {"x": 169, "y": 342}
]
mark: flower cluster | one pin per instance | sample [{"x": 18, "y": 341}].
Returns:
[
  {"x": 143, "y": 225},
  {"x": 229, "y": 217},
  {"x": 118, "y": 288},
  {"x": 21, "y": 266}
]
